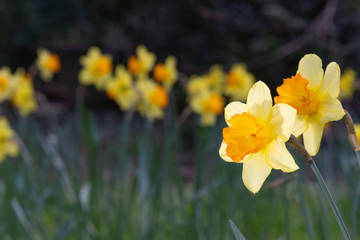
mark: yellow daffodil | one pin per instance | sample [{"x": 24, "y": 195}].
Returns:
[
  {"x": 314, "y": 95},
  {"x": 121, "y": 89},
  {"x": 197, "y": 84},
  {"x": 8, "y": 145},
  {"x": 47, "y": 63},
  {"x": 256, "y": 136},
  {"x": 238, "y": 82},
  {"x": 154, "y": 99},
  {"x": 23, "y": 96},
  {"x": 347, "y": 84},
  {"x": 208, "y": 105},
  {"x": 97, "y": 68},
  {"x": 216, "y": 77},
  {"x": 166, "y": 73},
  {"x": 7, "y": 84},
  {"x": 142, "y": 63}
]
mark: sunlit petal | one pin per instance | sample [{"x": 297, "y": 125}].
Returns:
[
  {"x": 282, "y": 120},
  {"x": 330, "y": 109},
  {"x": 312, "y": 136},
  {"x": 255, "y": 171},
  {"x": 331, "y": 81},
  {"x": 301, "y": 124},
  {"x": 310, "y": 68},
  {"x": 234, "y": 108},
  {"x": 259, "y": 101},
  {"x": 278, "y": 157},
  {"x": 222, "y": 153}
]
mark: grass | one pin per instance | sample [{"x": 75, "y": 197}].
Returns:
[{"x": 87, "y": 176}]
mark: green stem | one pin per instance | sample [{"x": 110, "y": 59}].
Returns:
[{"x": 330, "y": 199}]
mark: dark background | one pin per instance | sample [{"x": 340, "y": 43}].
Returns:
[{"x": 269, "y": 36}]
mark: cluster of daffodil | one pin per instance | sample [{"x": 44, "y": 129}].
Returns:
[
  {"x": 132, "y": 88},
  {"x": 207, "y": 92},
  {"x": 257, "y": 131}
]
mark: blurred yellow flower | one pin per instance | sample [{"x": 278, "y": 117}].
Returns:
[
  {"x": 8, "y": 145},
  {"x": 6, "y": 84},
  {"x": 154, "y": 99},
  {"x": 97, "y": 68},
  {"x": 256, "y": 136},
  {"x": 23, "y": 96},
  {"x": 121, "y": 89},
  {"x": 216, "y": 78},
  {"x": 347, "y": 84},
  {"x": 208, "y": 105},
  {"x": 47, "y": 63},
  {"x": 314, "y": 95},
  {"x": 197, "y": 84},
  {"x": 167, "y": 73},
  {"x": 142, "y": 63},
  {"x": 238, "y": 82}
]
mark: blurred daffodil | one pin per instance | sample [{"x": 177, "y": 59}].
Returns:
[
  {"x": 8, "y": 145},
  {"x": 23, "y": 96},
  {"x": 238, "y": 82},
  {"x": 142, "y": 63},
  {"x": 347, "y": 84},
  {"x": 256, "y": 136},
  {"x": 97, "y": 68},
  {"x": 121, "y": 89},
  {"x": 216, "y": 77},
  {"x": 197, "y": 84},
  {"x": 6, "y": 84},
  {"x": 153, "y": 99},
  {"x": 314, "y": 95},
  {"x": 47, "y": 63},
  {"x": 208, "y": 105},
  {"x": 166, "y": 73}
]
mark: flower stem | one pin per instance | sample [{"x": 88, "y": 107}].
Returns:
[
  {"x": 293, "y": 140},
  {"x": 352, "y": 134}
]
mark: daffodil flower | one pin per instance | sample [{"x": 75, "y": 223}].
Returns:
[
  {"x": 166, "y": 73},
  {"x": 6, "y": 84},
  {"x": 47, "y": 63},
  {"x": 238, "y": 82},
  {"x": 8, "y": 146},
  {"x": 256, "y": 136},
  {"x": 314, "y": 95},
  {"x": 347, "y": 84},
  {"x": 142, "y": 63}
]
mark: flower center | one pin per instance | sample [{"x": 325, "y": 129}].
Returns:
[
  {"x": 294, "y": 91},
  {"x": 133, "y": 65},
  {"x": 232, "y": 80},
  {"x": 53, "y": 63},
  {"x": 102, "y": 67},
  {"x": 214, "y": 104},
  {"x": 245, "y": 136},
  {"x": 111, "y": 94},
  {"x": 3, "y": 84},
  {"x": 159, "y": 97},
  {"x": 160, "y": 72}
]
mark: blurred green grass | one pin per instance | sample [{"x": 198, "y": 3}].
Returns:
[{"x": 88, "y": 177}]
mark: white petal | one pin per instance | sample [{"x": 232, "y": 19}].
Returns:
[
  {"x": 255, "y": 171},
  {"x": 259, "y": 102},
  {"x": 310, "y": 68},
  {"x": 234, "y": 108},
  {"x": 331, "y": 81},
  {"x": 278, "y": 157},
  {"x": 282, "y": 120},
  {"x": 222, "y": 153},
  {"x": 330, "y": 109},
  {"x": 301, "y": 124},
  {"x": 312, "y": 136}
]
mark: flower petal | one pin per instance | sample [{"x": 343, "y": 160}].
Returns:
[
  {"x": 330, "y": 109},
  {"x": 331, "y": 81},
  {"x": 222, "y": 153},
  {"x": 282, "y": 120},
  {"x": 259, "y": 102},
  {"x": 278, "y": 157},
  {"x": 234, "y": 108},
  {"x": 312, "y": 136},
  {"x": 310, "y": 68},
  {"x": 301, "y": 124},
  {"x": 255, "y": 171}
]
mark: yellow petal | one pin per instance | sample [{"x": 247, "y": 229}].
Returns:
[
  {"x": 234, "y": 108},
  {"x": 312, "y": 136},
  {"x": 310, "y": 68},
  {"x": 222, "y": 153},
  {"x": 330, "y": 109},
  {"x": 331, "y": 81},
  {"x": 301, "y": 124},
  {"x": 259, "y": 102},
  {"x": 282, "y": 120},
  {"x": 278, "y": 157},
  {"x": 255, "y": 171}
]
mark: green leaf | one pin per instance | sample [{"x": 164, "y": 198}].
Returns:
[{"x": 238, "y": 235}]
